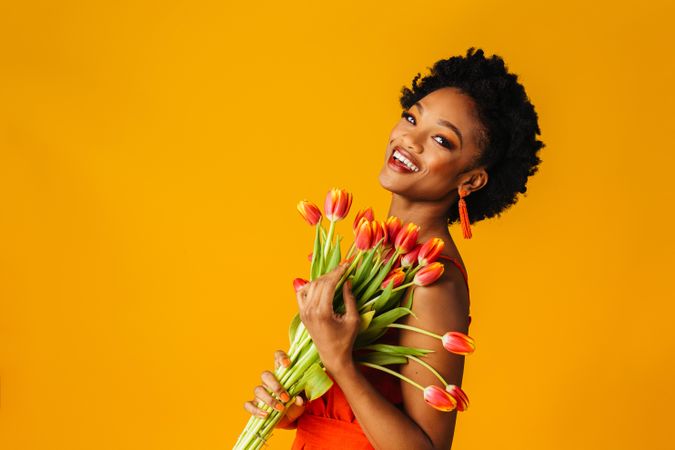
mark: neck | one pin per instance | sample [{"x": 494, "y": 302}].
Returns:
[{"x": 430, "y": 216}]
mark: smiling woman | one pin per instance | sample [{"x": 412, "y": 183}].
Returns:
[{"x": 463, "y": 148}]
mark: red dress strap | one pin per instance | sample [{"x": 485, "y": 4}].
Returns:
[{"x": 461, "y": 269}]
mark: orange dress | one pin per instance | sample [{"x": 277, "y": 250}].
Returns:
[{"x": 328, "y": 422}]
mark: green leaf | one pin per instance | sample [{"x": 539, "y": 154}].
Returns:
[
  {"x": 293, "y": 327},
  {"x": 398, "y": 349},
  {"x": 383, "y": 298},
  {"x": 382, "y": 359},
  {"x": 365, "y": 265},
  {"x": 408, "y": 303},
  {"x": 378, "y": 326},
  {"x": 366, "y": 318},
  {"x": 334, "y": 256},
  {"x": 316, "y": 381},
  {"x": 317, "y": 262}
]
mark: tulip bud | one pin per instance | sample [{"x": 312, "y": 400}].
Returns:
[
  {"x": 364, "y": 235},
  {"x": 406, "y": 239},
  {"x": 439, "y": 398},
  {"x": 459, "y": 343},
  {"x": 310, "y": 256},
  {"x": 367, "y": 213},
  {"x": 396, "y": 275},
  {"x": 410, "y": 258},
  {"x": 338, "y": 202},
  {"x": 430, "y": 251},
  {"x": 379, "y": 231},
  {"x": 459, "y": 395},
  {"x": 299, "y": 283},
  {"x": 393, "y": 225},
  {"x": 309, "y": 211},
  {"x": 428, "y": 274}
]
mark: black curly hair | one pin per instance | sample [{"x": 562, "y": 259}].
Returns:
[{"x": 507, "y": 140}]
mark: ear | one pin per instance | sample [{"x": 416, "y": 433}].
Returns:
[{"x": 475, "y": 181}]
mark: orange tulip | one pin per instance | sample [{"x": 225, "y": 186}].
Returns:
[
  {"x": 396, "y": 275},
  {"x": 410, "y": 258},
  {"x": 364, "y": 235},
  {"x": 439, "y": 398},
  {"x": 428, "y": 274},
  {"x": 459, "y": 395},
  {"x": 338, "y": 202},
  {"x": 406, "y": 239},
  {"x": 430, "y": 251},
  {"x": 298, "y": 283},
  {"x": 310, "y": 212},
  {"x": 393, "y": 225},
  {"x": 379, "y": 231},
  {"x": 459, "y": 343},
  {"x": 367, "y": 213}
]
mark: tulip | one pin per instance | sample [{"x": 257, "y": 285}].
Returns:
[
  {"x": 310, "y": 212},
  {"x": 388, "y": 253},
  {"x": 393, "y": 225},
  {"x": 364, "y": 235},
  {"x": 410, "y": 258},
  {"x": 310, "y": 256},
  {"x": 338, "y": 202},
  {"x": 298, "y": 283},
  {"x": 439, "y": 398},
  {"x": 406, "y": 239},
  {"x": 396, "y": 275},
  {"x": 379, "y": 231},
  {"x": 367, "y": 213},
  {"x": 459, "y": 343},
  {"x": 428, "y": 274},
  {"x": 459, "y": 395},
  {"x": 430, "y": 251}
]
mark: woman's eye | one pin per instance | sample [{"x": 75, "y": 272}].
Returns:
[
  {"x": 408, "y": 116},
  {"x": 445, "y": 142}
]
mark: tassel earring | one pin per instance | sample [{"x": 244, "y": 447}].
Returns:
[{"x": 464, "y": 215}]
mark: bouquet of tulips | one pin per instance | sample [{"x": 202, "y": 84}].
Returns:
[{"x": 384, "y": 260}]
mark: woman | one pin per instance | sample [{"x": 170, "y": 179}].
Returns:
[{"x": 465, "y": 146}]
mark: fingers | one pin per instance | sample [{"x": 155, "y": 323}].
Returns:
[
  {"x": 271, "y": 383},
  {"x": 281, "y": 359},
  {"x": 351, "y": 310},
  {"x": 254, "y": 410}
]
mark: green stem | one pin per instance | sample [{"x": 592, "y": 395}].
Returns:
[
  {"x": 329, "y": 238},
  {"x": 428, "y": 366},
  {"x": 392, "y": 372},
  {"x": 403, "y": 286},
  {"x": 419, "y": 330}
]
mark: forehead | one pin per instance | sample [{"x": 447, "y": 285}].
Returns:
[{"x": 449, "y": 103}]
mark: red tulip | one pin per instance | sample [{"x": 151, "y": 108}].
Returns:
[
  {"x": 428, "y": 274},
  {"x": 387, "y": 256},
  {"x": 310, "y": 212},
  {"x": 430, "y": 251},
  {"x": 364, "y": 235},
  {"x": 393, "y": 225},
  {"x": 459, "y": 343},
  {"x": 299, "y": 283},
  {"x": 310, "y": 256},
  {"x": 338, "y": 202},
  {"x": 396, "y": 275},
  {"x": 410, "y": 258},
  {"x": 367, "y": 213},
  {"x": 439, "y": 398},
  {"x": 406, "y": 239},
  {"x": 459, "y": 395},
  {"x": 379, "y": 231}
]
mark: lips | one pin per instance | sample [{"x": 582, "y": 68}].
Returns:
[{"x": 407, "y": 155}]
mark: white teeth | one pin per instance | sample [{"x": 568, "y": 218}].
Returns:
[{"x": 405, "y": 161}]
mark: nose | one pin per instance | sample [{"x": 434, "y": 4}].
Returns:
[{"x": 411, "y": 143}]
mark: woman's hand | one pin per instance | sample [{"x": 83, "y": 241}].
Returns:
[
  {"x": 332, "y": 334},
  {"x": 272, "y": 385}
]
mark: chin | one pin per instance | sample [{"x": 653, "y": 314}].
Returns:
[{"x": 389, "y": 181}]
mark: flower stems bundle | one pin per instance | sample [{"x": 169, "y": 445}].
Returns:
[{"x": 384, "y": 260}]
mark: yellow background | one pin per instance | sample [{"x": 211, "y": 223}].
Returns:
[{"x": 152, "y": 154}]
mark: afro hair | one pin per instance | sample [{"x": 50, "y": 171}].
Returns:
[{"x": 507, "y": 141}]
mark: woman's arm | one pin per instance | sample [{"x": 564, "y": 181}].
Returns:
[{"x": 439, "y": 307}]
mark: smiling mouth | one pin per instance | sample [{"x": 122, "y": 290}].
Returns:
[{"x": 401, "y": 161}]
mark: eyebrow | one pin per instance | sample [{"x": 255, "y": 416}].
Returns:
[{"x": 445, "y": 123}]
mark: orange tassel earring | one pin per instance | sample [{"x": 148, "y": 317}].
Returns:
[{"x": 464, "y": 215}]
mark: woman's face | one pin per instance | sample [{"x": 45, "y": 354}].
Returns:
[{"x": 437, "y": 135}]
